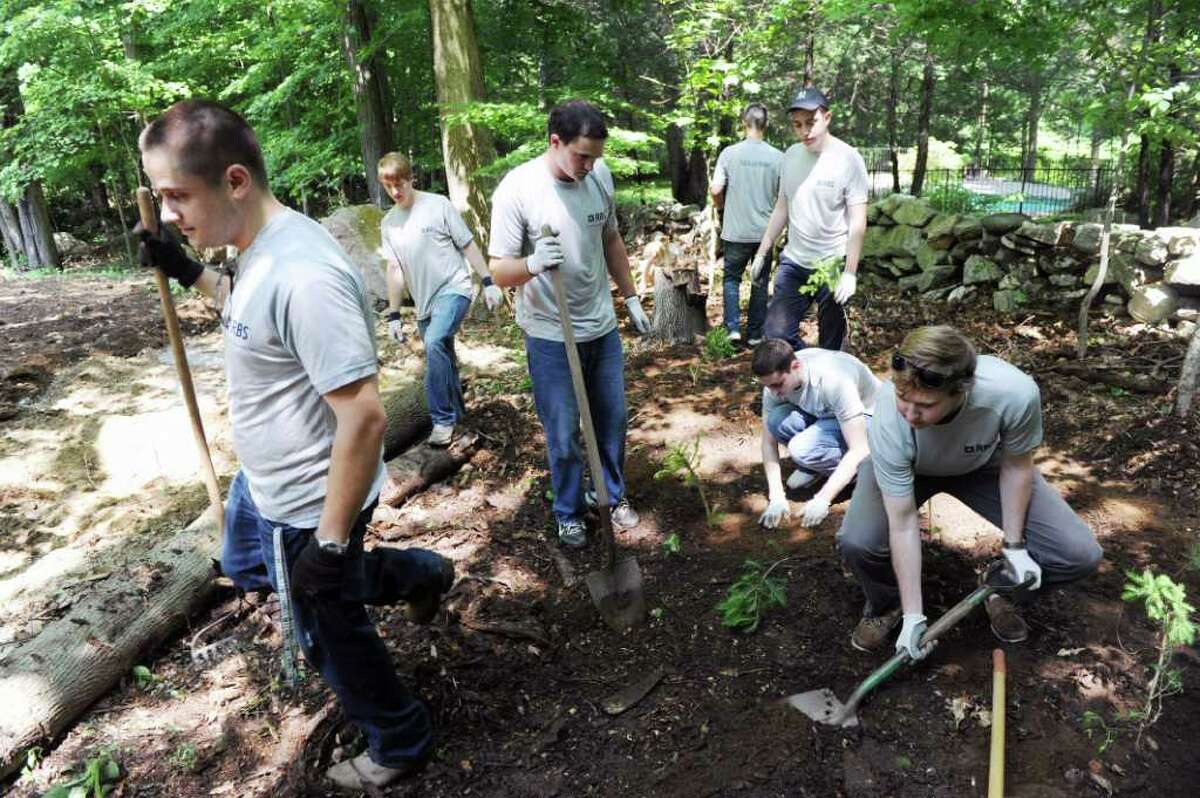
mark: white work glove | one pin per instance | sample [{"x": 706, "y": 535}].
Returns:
[
  {"x": 756, "y": 265},
  {"x": 1021, "y": 566},
  {"x": 396, "y": 329},
  {"x": 641, "y": 322},
  {"x": 547, "y": 254},
  {"x": 493, "y": 296},
  {"x": 777, "y": 510},
  {"x": 910, "y": 637},
  {"x": 847, "y": 285},
  {"x": 815, "y": 511}
]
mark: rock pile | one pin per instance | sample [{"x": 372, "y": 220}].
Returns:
[{"x": 951, "y": 257}]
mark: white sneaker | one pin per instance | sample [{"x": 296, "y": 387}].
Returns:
[
  {"x": 735, "y": 337},
  {"x": 799, "y": 479},
  {"x": 754, "y": 342},
  {"x": 623, "y": 514},
  {"x": 441, "y": 435}
]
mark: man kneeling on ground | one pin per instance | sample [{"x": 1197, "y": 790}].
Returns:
[
  {"x": 816, "y": 402},
  {"x": 954, "y": 422}
]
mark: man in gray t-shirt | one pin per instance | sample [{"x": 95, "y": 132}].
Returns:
[
  {"x": 817, "y": 403},
  {"x": 954, "y": 422},
  {"x": 427, "y": 246},
  {"x": 307, "y": 423},
  {"x": 557, "y": 212},
  {"x": 746, "y": 184}
]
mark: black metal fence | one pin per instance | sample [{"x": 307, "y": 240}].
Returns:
[{"x": 1044, "y": 191}]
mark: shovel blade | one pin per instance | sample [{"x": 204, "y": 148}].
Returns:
[
  {"x": 823, "y": 707},
  {"x": 618, "y": 595}
]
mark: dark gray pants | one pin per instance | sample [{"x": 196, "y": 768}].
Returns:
[{"x": 1057, "y": 539}]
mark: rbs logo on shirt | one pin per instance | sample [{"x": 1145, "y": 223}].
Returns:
[
  {"x": 977, "y": 448},
  {"x": 599, "y": 217},
  {"x": 236, "y": 329}
]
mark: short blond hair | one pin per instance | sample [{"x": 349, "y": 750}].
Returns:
[
  {"x": 941, "y": 349},
  {"x": 395, "y": 165}
]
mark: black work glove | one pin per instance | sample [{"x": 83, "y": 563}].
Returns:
[
  {"x": 163, "y": 250},
  {"x": 317, "y": 572}
]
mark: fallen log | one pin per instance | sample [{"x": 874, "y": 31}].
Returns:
[
  {"x": 1137, "y": 383},
  {"x": 408, "y": 418},
  {"x": 47, "y": 681}
]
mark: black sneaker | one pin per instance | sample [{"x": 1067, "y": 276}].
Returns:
[{"x": 423, "y": 605}]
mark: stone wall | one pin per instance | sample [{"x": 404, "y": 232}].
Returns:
[{"x": 1154, "y": 274}]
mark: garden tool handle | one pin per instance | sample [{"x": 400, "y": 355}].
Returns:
[
  {"x": 585, "y": 412},
  {"x": 149, "y": 220}
]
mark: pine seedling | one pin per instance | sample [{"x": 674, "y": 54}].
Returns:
[
  {"x": 1165, "y": 603},
  {"x": 749, "y": 598},
  {"x": 683, "y": 460}
]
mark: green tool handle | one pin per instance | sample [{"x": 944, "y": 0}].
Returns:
[
  {"x": 935, "y": 630},
  {"x": 585, "y": 413}
]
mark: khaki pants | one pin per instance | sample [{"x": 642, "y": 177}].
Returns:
[{"x": 1057, "y": 539}]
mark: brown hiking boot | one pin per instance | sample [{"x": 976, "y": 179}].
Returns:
[
  {"x": 872, "y": 632},
  {"x": 1007, "y": 624}
]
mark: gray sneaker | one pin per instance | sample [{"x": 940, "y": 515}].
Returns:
[
  {"x": 623, "y": 514},
  {"x": 572, "y": 534},
  {"x": 442, "y": 435}
]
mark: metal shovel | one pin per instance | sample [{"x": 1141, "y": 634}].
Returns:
[
  {"x": 616, "y": 589},
  {"x": 824, "y": 707}
]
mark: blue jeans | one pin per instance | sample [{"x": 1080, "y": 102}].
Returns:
[
  {"x": 443, "y": 390},
  {"x": 336, "y": 636},
  {"x": 820, "y": 446},
  {"x": 737, "y": 256},
  {"x": 603, "y": 365},
  {"x": 789, "y": 307}
]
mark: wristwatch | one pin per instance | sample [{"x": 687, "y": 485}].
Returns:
[{"x": 331, "y": 547}]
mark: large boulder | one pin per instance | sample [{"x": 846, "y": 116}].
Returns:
[
  {"x": 1046, "y": 235},
  {"x": 1153, "y": 303},
  {"x": 902, "y": 241},
  {"x": 914, "y": 213},
  {"x": 1181, "y": 241},
  {"x": 936, "y": 277},
  {"x": 69, "y": 246},
  {"x": 889, "y": 204},
  {"x": 1152, "y": 250},
  {"x": 1005, "y": 300},
  {"x": 968, "y": 228},
  {"x": 905, "y": 265},
  {"x": 1184, "y": 274},
  {"x": 873, "y": 242},
  {"x": 980, "y": 270},
  {"x": 964, "y": 249},
  {"x": 1087, "y": 236},
  {"x": 356, "y": 228},
  {"x": 940, "y": 230},
  {"x": 1019, "y": 244},
  {"x": 1001, "y": 223},
  {"x": 928, "y": 257}
]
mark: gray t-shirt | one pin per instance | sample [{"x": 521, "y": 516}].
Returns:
[
  {"x": 1002, "y": 416},
  {"x": 297, "y": 326},
  {"x": 836, "y": 385},
  {"x": 818, "y": 188},
  {"x": 749, "y": 171},
  {"x": 427, "y": 241},
  {"x": 581, "y": 212}
]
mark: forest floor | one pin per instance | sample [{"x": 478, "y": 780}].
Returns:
[{"x": 96, "y": 458}]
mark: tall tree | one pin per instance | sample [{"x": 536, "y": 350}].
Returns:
[
  {"x": 458, "y": 76},
  {"x": 370, "y": 94}
]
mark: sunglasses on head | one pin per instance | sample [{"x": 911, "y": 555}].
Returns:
[{"x": 928, "y": 378}]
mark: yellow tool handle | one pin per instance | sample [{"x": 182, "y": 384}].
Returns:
[{"x": 996, "y": 762}]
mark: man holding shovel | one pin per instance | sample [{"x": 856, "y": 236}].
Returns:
[
  {"x": 557, "y": 212},
  {"x": 816, "y": 403},
  {"x": 307, "y": 423},
  {"x": 428, "y": 246},
  {"x": 954, "y": 422}
]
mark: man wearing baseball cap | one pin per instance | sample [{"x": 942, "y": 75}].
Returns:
[{"x": 823, "y": 202}]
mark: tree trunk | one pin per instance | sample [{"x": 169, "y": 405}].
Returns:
[
  {"x": 678, "y": 317},
  {"x": 1166, "y": 175},
  {"x": 918, "y": 179},
  {"x": 1141, "y": 194},
  {"x": 1029, "y": 164},
  {"x": 892, "y": 133},
  {"x": 46, "y": 682},
  {"x": 370, "y": 95},
  {"x": 697, "y": 185},
  {"x": 408, "y": 418},
  {"x": 981, "y": 122},
  {"x": 10, "y": 228},
  {"x": 1094, "y": 161},
  {"x": 458, "y": 75},
  {"x": 677, "y": 167},
  {"x": 38, "y": 238}
]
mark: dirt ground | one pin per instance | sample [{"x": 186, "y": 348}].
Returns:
[{"x": 519, "y": 668}]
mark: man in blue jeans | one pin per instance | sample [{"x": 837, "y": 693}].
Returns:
[
  {"x": 818, "y": 404},
  {"x": 823, "y": 203},
  {"x": 746, "y": 184},
  {"x": 306, "y": 419},
  {"x": 428, "y": 245},
  {"x": 569, "y": 192}
]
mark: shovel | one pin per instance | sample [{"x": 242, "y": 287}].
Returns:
[
  {"x": 824, "y": 707},
  {"x": 616, "y": 589}
]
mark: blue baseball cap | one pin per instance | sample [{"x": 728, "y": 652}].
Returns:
[{"x": 808, "y": 99}]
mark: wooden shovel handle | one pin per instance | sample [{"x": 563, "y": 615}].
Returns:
[{"x": 149, "y": 219}]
